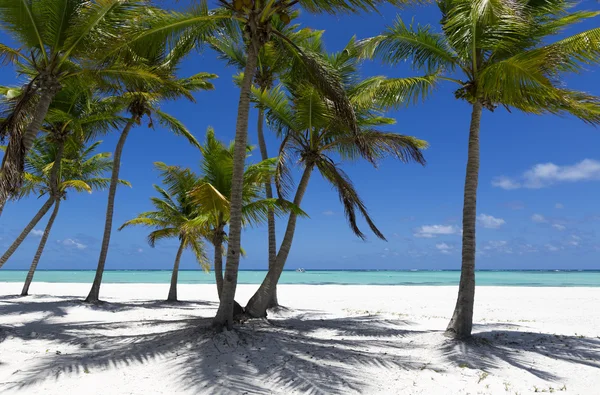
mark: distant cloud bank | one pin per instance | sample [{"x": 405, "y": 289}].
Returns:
[
  {"x": 430, "y": 231},
  {"x": 546, "y": 174},
  {"x": 490, "y": 222}
]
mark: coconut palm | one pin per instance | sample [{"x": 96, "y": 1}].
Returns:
[
  {"x": 270, "y": 64},
  {"x": 57, "y": 41},
  {"x": 142, "y": 98},
  {"x": 75, "y": 115},
  {"x": 214, "y": 189},
  {"x": 175, "y": 216},
  {"x": 314, "y": 134},
  {"x": 81, "y": 170},
  {"x": 256, "y": 17},
  {"x": 499, "y": 53}
]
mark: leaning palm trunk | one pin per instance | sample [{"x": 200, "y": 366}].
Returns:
[
  {"x": 173, "y": 289},
  {"x": 218, "y": 260},
  {"x": 53, "y": 192},
  {"x": 40, "y": 249},
  {"x": 258, "y": 304},
  {"x": 40, "y": 214},
  {"x": 11, "y": 174},
  {"x": 94, "y": 294},
  {"x": 462, "y": 320},
  {"x": 224, "y": 316},
  {"x": 270, "y": 214}
]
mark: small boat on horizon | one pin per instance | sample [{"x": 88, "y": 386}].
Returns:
[{"x": 300, "y": 270}]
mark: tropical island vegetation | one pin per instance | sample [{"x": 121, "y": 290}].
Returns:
[{"x": 85, "y": 69}]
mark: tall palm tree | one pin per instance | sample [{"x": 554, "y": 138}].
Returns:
[
  {"x": 313, "y": 133},
  {"x": 76, "y": 115},
  {"x": 499, "y": 53},
  {"x": 81, "y": 170},
  {"x": 213, "y": 190},
  {"x": 256, "y": 19},
  {"x": 57, "y": 41},
  {"x": 271, "y": 63},
  {"x": 142, "y": 98},
  {"x": 175, "y": 216}
]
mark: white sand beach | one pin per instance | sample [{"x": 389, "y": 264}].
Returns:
[{"x": 329, "y": 339}]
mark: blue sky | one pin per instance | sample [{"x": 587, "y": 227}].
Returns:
[{"x": 538, "y": 190}]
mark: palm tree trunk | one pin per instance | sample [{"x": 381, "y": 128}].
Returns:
[
  {"x": 173, "y": 289},
  {"x": 224, "y": 316},
  {"x": 54, "y": 172},
  {"x": 93, "y": 296},
  {"x": 38, "y": 253},
  {"x": 218, "y": 260},
  {"x": 258, "y": 304},
  {"x": 270, "y": 214},
  {"x": 40, "y": 214},
  {"x": 461, "y": 324},
  {"x": 12, "y": 164}
]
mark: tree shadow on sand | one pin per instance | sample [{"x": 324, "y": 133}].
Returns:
[
  {"x": 488, "y": 350},
  {"x": 297, "y": 352},
  {"x": 58, "y": 305},
  {"x": 287, "y": 355}
]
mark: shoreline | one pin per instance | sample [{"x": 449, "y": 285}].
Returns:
[
  {"x": 411, "y": 285},
  {"x": 365, "y": 339},
  {"x": 551, "y": 278}
]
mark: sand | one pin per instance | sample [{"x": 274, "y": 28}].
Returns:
[{"x": 329, "y": 339}]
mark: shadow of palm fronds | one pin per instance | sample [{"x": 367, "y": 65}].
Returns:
[
  {"x": 490, "y": 349},
  {"x": 291, "y": 355}
]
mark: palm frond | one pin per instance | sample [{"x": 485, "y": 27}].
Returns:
[
  {"x": 175, "y": 126},
  {"x": 256, "y": 212},
  {"x": 348, "y": 196},
  {"x": 381, "y": 145},
  {"x": 197, "y": 246},
  {"x": 426, "y": 50},
  {"x": 78, "y": 185},
  {"x": 387, "y": 93}
]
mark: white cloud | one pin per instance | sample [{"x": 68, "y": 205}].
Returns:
[
  {"x": 546, "y": 174},
  {"x": 551, "y": 248},
  {"x": 73, "y": 244},
  {"x": 444, "y": 248},
  {"x": 429, "y": 231},
  {"x": 575, "y": 241},
  {"x": 497, "y": 246},
  {"x": 328, "y": 213},
  {"x": 559, "y": 206},
  {"x": 37, "y": 232},
  {"x": 494, "y": 244},
  {"x": 505, "y": 183},
  {"x": 538, "y": 218},
  {"x": 559, "y": 227},
  {"x": 490, "y": 222}
]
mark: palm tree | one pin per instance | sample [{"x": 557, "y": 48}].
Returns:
[
  {"x": 142, "y": 98},
  {"x": 313, "y": 133},
  {"x": 81, "y": 170},
  {"x": 213, "y": 190},
  {"x": 57, "y": 41},
  {"x": 499, "y": 53},
  {"x": 175, "y": 216},
  {"x": 256, "y": 19},
  {"x": 75, "y": 115},
  {"x": 270, "y": 64}
]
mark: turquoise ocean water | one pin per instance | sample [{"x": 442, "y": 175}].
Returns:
[{"x": 502, "y": 278}]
